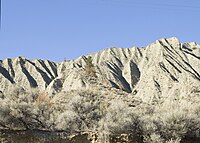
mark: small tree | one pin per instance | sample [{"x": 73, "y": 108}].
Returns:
[{"x": 89, "y": 67}]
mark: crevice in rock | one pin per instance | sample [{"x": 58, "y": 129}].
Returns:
[
  {"x": 162, "y": 66},
  {"x": 135, "y": 74},
  {"x": 46, "y": 69},
  {"x": 113, "y": 68},
  {"x": 31, "y": 80},
  {"x": 157, "y": 85},
  {"x": 191, "y": 54},
  {"x": 184, "y": 68},
  {"x": 175, "y": 60},
  {"x": 6, "y": 74},
  {"x": 57, "y": 84},
  {"x": 11, "y": 68},
  {"x": 119, "y": 62},
  {"x": 166, "y": 48},
  {"x": 173, "y": 65},
  {"x": 44, "y": 75},
  {"x": 174, "y": 47},
  {"x": 169, "y": 44},
  {"x": 138, "y": 49},
  {"x": 124, "y": 54},
  {"x": 195, "y": 72},
  {"x": 173, "y": 77},
  {"x": 185, "y": 47},
  {"x": 114, "y": 84},
  {"x": 53, "y": 67},
  {"x": 117, "y": 73}
]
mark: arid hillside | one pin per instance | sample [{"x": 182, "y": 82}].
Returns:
[
  {"x": 163, "y": 68},
  {"x": 144, "y": 95}
]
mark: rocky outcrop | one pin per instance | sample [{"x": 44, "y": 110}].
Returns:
[
  {"x": 26, "y": 73},
  {"x": 163, "y": 68}
]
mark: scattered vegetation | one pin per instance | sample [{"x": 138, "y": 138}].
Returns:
[
  {"x": 89, "y": 67},
  {"x": 169, "y": 121},
  {"x": 194, "y": 48}
]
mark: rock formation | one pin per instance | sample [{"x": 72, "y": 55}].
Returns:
[{"x": 163, "y": 68}]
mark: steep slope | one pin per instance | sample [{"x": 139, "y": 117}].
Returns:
[
  {"x": 114, "y": 65},
  {"x": 26, "y": 73},
  {"x": 164, "y": 68},
  {"x": 169, "y": 68}
]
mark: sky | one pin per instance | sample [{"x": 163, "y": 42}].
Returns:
[{"x": 67, "y": 29}]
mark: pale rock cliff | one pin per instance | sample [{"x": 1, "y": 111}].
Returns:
[{"x": 164, "y": 68}]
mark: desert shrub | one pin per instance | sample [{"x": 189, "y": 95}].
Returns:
[
  {"x": 178, "y": 140},
  {"x": 15, "y": 108},
  {"x": 153, "y": 138},
  {"x": 119, "y": 118},
  {"x": 87, "y": 109},
  {"x": 89, "y": 67},
  {"x": 4, "y": 112},
  {"x": 194, "y": 48},
  {"x": 68, "y": 121},
  {"x": 22, "y": 110},
  {"x": 181, "y": 121},
  {"x": 168, "y": 121},
  {"x": 80, "y": 111}
]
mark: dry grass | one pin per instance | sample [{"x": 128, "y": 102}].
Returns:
[
  {"x": 43, "y": 98},
  {"x": 168, "y": 121}
]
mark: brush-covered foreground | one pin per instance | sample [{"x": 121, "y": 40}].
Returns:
[{"x": 105, "y": 115}]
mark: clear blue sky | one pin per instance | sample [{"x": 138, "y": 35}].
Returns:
[{"x": 58, "y": 29}]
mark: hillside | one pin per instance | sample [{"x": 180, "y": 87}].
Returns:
[
  {"x": 163, "y": 68},
  {"x": 144, "y": 95}
]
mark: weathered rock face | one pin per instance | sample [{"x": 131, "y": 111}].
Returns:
[
  {"x": 164, "y": 68},
  {"x": 169, "y": 68},
  {"x": 26, "y": 73}
]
